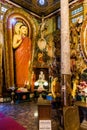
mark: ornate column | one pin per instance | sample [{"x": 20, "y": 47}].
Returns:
[{"x": 65, "y": 52}]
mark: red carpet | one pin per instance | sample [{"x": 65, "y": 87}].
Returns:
[{"x": 8, "y": 123}]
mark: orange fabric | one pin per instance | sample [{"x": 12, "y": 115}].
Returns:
[
  {"x": 33, "y": 79},
  {"x": 22, "y": 58}
]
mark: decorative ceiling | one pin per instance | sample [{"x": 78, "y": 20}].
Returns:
[{"x": 39, "y": 7}]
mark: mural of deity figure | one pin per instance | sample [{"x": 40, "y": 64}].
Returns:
[
  {"x": 22, "y": 53},
  {"x": 50, "y": 47},
  {"x": 42, "y": 42}
]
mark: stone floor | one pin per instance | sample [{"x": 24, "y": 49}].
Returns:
[{"x": 27, "y": 115}]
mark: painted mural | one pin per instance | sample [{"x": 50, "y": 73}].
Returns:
[{"x": 47, "y": 49}]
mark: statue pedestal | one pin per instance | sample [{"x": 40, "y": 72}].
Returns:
[{"x": 44, "y": 114}]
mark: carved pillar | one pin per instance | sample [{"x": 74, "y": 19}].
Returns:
[{"x": 65, "y": 51}]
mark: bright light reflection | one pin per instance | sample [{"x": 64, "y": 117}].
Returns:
[
  {"x": 13, "y": 21},
  {"x": 36, "y": 83},
  {"x": 3, "y": 9},
  {"x": 45, "y": 83},
  {"x": 42, "y": 2},
  {"x": 36, "y": 114}
]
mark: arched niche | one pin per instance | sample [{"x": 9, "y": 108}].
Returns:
[{"x": 9, "y": 18}]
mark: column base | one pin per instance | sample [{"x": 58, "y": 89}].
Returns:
[{"x": 66, "y": 89}]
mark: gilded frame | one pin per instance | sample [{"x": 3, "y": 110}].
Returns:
[
  {"x": 18, "y": 14},
  {"x": 83, "y": 40}
]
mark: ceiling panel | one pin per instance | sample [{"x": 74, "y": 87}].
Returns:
[{"x": 33, "y": 6}]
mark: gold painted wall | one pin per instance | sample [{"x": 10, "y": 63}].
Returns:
[{"x": 77, "y": 62}]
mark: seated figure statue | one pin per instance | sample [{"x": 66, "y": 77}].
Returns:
[
  {"x": 41, "y": 82},
  {"x": 41, "y": 75}
]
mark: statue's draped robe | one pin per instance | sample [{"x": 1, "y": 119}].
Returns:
[{"x": 22, "y": 60}]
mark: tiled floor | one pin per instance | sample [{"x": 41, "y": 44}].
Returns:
[{"x": 26, "y": 114}]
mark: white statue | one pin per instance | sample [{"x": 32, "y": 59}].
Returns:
[{"x": 41, "y": 82}]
